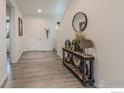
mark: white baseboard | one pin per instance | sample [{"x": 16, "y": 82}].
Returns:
[
  {"x": 2, "y": 82},
  {"x": 17, "y": 60},
  {"x": 60, "y": 55}
]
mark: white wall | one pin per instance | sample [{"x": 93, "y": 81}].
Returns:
[
  {"x": 58, "y": 18},
  {"x": 35, "y": 34},
  {"x": 106, "y": 29},
  {"x": 61, "y": 11},
  {"x": 3, "y": 66},
  {"x": 17, "y": 43}
]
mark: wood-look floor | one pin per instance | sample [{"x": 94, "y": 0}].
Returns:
[{"x": 40, "y": 70}]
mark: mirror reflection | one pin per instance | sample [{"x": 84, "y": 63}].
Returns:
[{"x": 79, "y": 22}]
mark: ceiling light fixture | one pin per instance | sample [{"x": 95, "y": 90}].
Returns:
[{"x": 39, "y": 10}]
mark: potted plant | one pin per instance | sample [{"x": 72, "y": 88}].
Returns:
[{"x": 80, "y": 38}]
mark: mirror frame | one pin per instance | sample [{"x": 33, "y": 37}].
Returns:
[{"x": 85, "y": 23}]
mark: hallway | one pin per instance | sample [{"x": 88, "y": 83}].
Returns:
[{"x": 41, "y": 70}]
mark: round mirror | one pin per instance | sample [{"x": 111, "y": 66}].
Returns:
[{"x": 79, "y": 22}]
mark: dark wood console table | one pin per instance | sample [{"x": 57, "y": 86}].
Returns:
[{"x": 80, "y": 73}]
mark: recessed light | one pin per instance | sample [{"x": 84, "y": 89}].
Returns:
[{"x": 39, "y": 10}]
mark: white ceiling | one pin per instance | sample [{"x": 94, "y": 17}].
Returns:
[{"x": 49, "y": 7}]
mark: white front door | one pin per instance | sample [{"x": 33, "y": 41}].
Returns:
[{"x": 37, "y": 39}]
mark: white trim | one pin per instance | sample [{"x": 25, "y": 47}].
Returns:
[
  {"x": 2, "y": 82},
  {"x": 59, "y": 55}
]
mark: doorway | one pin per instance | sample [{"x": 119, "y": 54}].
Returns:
[
  {"x": 10, "y": 20},
  {"x": 39, "y": 32}
]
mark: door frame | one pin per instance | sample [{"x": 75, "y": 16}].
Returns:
[{"x": 12, "y": 29}]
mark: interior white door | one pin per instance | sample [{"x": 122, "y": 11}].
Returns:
[{"x": 37, "y": 39}]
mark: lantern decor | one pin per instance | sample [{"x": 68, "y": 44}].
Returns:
[{"x": 47, "y": 32}]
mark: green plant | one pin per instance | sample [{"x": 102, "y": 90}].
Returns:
[{"x": 80, "y": 36}]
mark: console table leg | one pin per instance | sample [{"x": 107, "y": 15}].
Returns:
[
  {"x": 83, "y": 72},
  {"x": 63, "y": 56}
]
